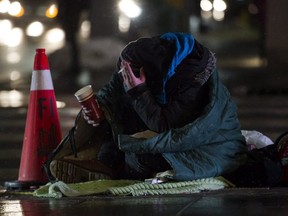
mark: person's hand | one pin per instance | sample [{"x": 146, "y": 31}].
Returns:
[
  {"x": 87, "y": 117},
  {"x": 129, "y": 79}
]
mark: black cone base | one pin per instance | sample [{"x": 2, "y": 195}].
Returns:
[{"x": 22, "y": 185}]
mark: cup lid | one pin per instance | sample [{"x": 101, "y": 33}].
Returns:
[{"x": 84, "y": 93}]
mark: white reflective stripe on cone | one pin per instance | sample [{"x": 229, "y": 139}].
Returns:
[{"x": 41, "y": 80}]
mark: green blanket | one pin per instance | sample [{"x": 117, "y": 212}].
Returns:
[{"x": 129, "y": 187}]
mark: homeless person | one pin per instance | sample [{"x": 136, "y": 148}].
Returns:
[{"x": 165, "y": 109}]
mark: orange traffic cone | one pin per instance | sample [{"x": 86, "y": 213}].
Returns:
[{"x": 42, "y": 130}]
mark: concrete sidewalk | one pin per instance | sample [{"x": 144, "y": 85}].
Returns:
[{"x": 236, "y": 202}]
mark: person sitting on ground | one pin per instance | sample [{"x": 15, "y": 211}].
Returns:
[{"x": 165, "y": 108}]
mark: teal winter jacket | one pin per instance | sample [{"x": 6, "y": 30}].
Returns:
[
  {"x": 190, "y": 109},
  {"x": 210, "y": 146}
]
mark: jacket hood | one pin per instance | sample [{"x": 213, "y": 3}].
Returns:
[{"x": 159, "y": 56}]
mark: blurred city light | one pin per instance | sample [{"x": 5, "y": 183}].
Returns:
[
  {"x": 16, "y": 9},
  {"x": 85, "y": 29},
  {"x": 218, "y": 15},
  {"x": 15, "y": 75},
  {"x": 60, "y": 104},
  {"x": 215, "y": 9},
  {"x": 219, "y": 5},
  {"x": 13, "y": 57},
  {"x": 5, "y": 27},
  {"x": 11, "y": 98},
  {"x": 35, "y": 29},
  {"x": 130, "y": 8},
  {"x": 14, "y": 37},
  {"x": 52, "y": 11},
  {"x": 4, "y": 6},
  {"x": 124, "y": 23},
  {"x": 55, "y": 35},
  {"x": 206, "y": 5}
]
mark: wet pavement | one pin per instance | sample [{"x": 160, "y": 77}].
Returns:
[
  {"x": 261, "y": 96},
  {"x": 236, "y": 202}
]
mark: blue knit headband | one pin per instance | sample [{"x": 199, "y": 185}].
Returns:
[{"x": 184, "y": 44}]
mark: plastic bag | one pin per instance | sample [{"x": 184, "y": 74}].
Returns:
[{"x": 255, "y": 139}]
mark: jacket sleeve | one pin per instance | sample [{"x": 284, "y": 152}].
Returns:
[
  {"x": 218, "y": 124},
  {"x": 174, "y": 140},
  {"x": 111, "y": 94},
  {"x": 186, "y": 105},
  {"x": 209, "y": 129}
]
